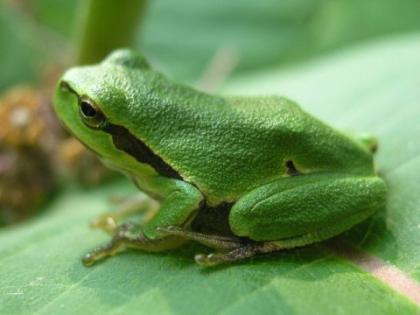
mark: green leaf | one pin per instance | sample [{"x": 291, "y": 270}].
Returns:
[
  {"x": 25, "y": 46},
  {"x": 56, "y": 15},
  {"x": 374, "y": 89},
  {"x": 18, "y": 52},
  {"x": 184, "y": 36}
]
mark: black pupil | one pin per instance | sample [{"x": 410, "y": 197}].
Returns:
[{"x": 87, "y": 109}]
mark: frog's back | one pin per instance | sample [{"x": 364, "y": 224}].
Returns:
[
  {"x": 271, "y": 137},
  {"x": 228, "y": 145}
]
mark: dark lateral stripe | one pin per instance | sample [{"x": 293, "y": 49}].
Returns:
[{"x": 124, "y": 140}]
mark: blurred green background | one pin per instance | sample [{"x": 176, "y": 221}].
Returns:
[{"x": 182, "y": 37}]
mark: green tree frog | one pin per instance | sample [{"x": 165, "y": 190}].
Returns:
[{"x": 241, "y": 175}]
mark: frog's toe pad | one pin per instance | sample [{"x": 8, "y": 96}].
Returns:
[{"x": 207, "y": 260}]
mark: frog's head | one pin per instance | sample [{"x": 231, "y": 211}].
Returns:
[{"x": 97, "y": 103}]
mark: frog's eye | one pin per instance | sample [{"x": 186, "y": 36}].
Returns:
[{"x": 91, "y": 114}]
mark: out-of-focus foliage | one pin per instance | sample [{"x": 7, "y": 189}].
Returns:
[
  {"x": 17, "y": 52},
  {"x": 56, "y": 15},
  {"x": 183, "y": 36},
  {"x": 28, "y": 135}
]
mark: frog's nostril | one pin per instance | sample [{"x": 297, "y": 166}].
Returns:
[{"x": 64, "y": 86}]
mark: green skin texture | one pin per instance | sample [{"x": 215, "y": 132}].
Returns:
[{"x": 226, "y": 149}]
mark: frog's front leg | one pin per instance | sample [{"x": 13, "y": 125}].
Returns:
[
  {"x": 179, "y": 200},
  {"x": 129, "y": 235}
]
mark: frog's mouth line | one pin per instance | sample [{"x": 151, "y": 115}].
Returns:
[
  {"x": 125, "y": 141},
  {"x": 65, "y": 86}
]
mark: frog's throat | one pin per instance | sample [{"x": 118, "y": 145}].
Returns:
[{"x": 125, "y": 141}]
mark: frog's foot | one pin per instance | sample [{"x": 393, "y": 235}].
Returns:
[
  {"x": 113, "y": 247},
  {"x": 129, "y": 235},
  {"x": 108, "y": 222},
  {"x": 230, "y": 249},
  {"x": 241, "y": 253}
]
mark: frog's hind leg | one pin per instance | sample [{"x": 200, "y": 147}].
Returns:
[
  {"x": 232, "y": 249},
  {"x": 298, "y": 207},
  {"x": 229, "y": 249},
  {"x": 243, "y": 252},
  {"x": 213, "y": 241},
  {"x": 264, "y": 247},
  {"x": 250, "y": 249},
  {"x": 255, "y": 248}
]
